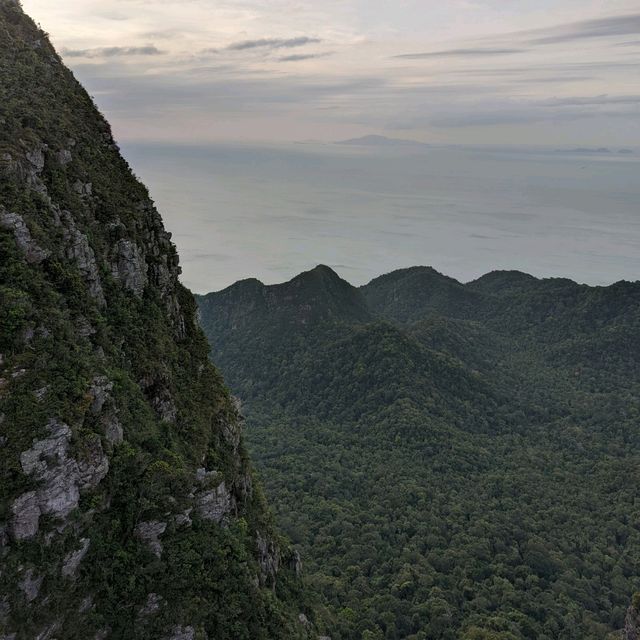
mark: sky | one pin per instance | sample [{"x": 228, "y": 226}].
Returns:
[{"x": 555, "y": 72}]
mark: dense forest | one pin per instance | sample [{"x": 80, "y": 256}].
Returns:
[{"x": 453, "y": 460}]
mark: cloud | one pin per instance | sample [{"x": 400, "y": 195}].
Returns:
[
  {"x": 112, "y": 52},
  {"x": 600, "y": 28},
  {"x": 303, "y": 56},
  {"x": 460, "y": 53},
  {"x": 272, "y": 43}
]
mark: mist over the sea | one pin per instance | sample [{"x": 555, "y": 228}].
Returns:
[{"x": 239, "y": 211}]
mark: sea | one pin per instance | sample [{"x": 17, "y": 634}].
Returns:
[{"x": 270, "y": 211}]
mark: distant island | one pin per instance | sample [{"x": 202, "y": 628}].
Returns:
[
  {"x": 381, "y": 141},
  {"x": 599, "y": 150}
]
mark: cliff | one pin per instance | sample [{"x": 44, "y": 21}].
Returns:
[{"x": 128, "y": 507}]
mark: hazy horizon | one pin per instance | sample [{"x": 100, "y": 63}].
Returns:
[
  {"x": 273, "y": 211},
  {"x": 208, "y": 97}
]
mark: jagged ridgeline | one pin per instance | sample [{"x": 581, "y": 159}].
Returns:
[
  {"x": 456, "y": 461},
  {"x": 128, "y": 507}
]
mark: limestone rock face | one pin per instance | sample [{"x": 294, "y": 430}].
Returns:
[
  {"x": 79, "y": 251},
  {"x": 215, "y": 504},
  {"x": 73, "y": 559},
  {"x": 30, "y": 585},
  {"x": 60, "y": 479},
  {"x": 15, "y": 223},
  {"x": 150, "y": 532},
  {"x": 25, "y": 516},
  {"x": 129, "y": 266},
  {"x": 269, "y": 559}
]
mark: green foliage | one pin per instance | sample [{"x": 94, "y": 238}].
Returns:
[
  {"x": 57, "y": 340},
  {"x": 465, "y": 468}
]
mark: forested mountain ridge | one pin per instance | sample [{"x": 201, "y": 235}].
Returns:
[
  {"x": 128, "y": 507},
  {"x": 463, "y": 463}
]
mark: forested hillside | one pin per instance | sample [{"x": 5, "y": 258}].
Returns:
[
  {"x": 128, "y": 507},
  {"x": 455, "y": 460}
]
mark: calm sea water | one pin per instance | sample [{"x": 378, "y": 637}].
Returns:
[{"x": 239, "y": 211}]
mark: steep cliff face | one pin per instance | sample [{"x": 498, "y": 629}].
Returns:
[{"x": 127, "y": 503}]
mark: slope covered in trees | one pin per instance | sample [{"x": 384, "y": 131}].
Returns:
[
  {"x": 128, "y": 507},
  {"x": 460, "y": 461}
]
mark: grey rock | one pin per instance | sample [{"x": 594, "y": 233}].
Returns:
[
  {"x": 64, "y": 157},
  {"x": 41, "y": 393},
  {"x": 184, "y": 519},
  {"x": 215, "y": 504},
  {"x": 151, "y": 606},
  {"x": 295, "y": 563},
  {"x": 83, "y": 188},
  {"x": 113, "y": 431},
  {"x": 244, "y": 486},
  {"x": 268, "y": 558},
  {"x": 60, "y": 478},
  {"x": 48, "y": 633},
  {"x": 165, "y": 408},
  {"x": 73, "y": 559},
  {"x": 100, "y": 391},
  {"x": 94, "y": 464},
  {"x": 84, "y": 328},
  {"x": 86, "y": 604},
  {"x": 30, "y": 585},
  {"x": 36, "y": 158},
  {"x": 78, "y": 250},
  {"x": 129, "y": 266},
  {"x": 15, "y": 223},
  {"x": 5, "y": 610},
  {"x": 156, "y": 389},
  {"x": 182, "y": 633},
  {"x": 202, "y": 475},
  {"x": 52, "y": 449},
  {"x": 4, "y": 540},
  {"x": 26, "y": 515},
  {"x": 231, "y": 432},
  {"x": 150, "y": 532},
  {"x": 303, "y": 619}
]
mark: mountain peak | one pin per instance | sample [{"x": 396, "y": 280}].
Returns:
[
  {"x": 408, "y": 294},
  {"x": 320, "y": 273}
]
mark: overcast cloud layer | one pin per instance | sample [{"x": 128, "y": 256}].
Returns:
[{"x": 472, "y": 71}]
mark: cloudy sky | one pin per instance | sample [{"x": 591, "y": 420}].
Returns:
[{"x": 460, "y": 71}]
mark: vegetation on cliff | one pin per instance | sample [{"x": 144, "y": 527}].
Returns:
[{"x": 128, "y": 507}]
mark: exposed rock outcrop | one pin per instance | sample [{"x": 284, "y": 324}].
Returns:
[
  {"x": 80, "y": 252},
  {"x": 215, "y": 504},
  {"x": 30, "y": 585},
  {"x": 33, "y": 253},
  {"x": 73, "y": 559},
  {"x": 129, "y": 266},
  {"x": 149, "y": 533},
  {"x": 60, "y": 478}
]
